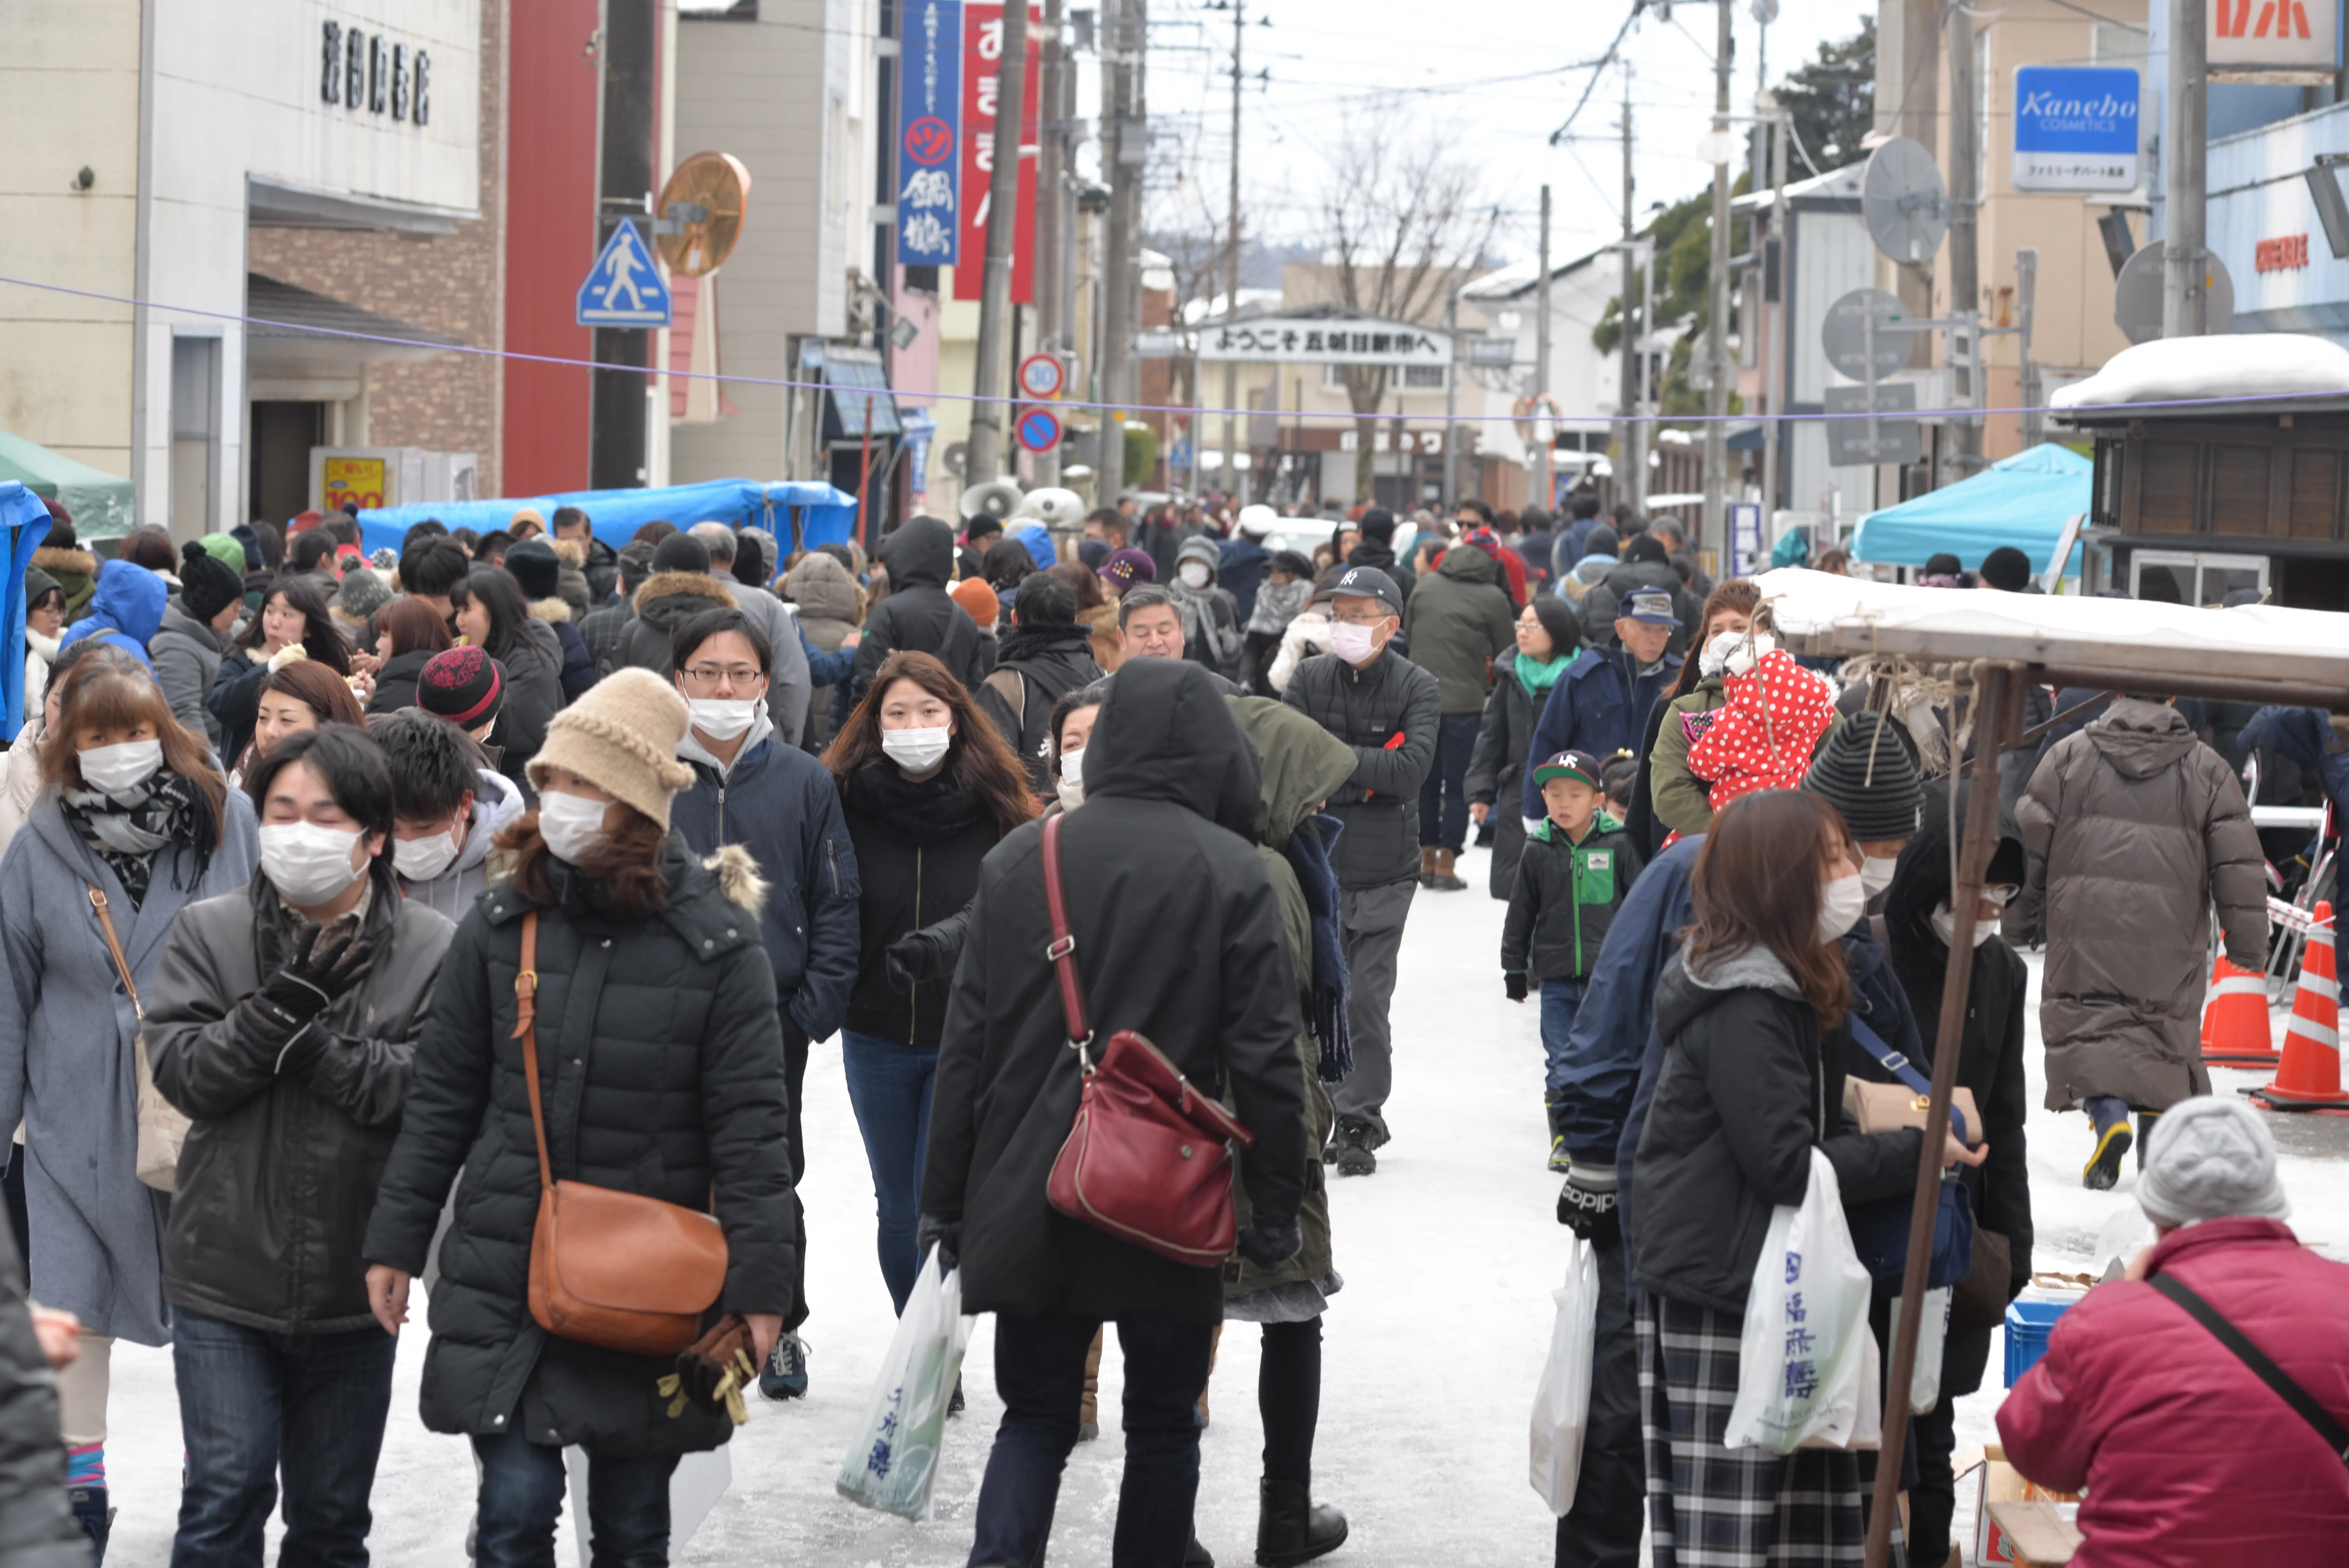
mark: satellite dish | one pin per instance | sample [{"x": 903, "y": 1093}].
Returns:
[
  {"x": 1846, "y": 335},
  {"x": 2137, "y": 295},
  {"x": 1905, "y": 204},
  {"x": 701, "y": 213},
  {"x": 1052, "y": 507},
  {"x": 998, "y": 498}
]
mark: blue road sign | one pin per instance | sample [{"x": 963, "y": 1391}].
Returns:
[
  {"x": 1039, "y": 429},
  {"x": 2075, "y": 129},
  {"x": 624, "y": 288}
]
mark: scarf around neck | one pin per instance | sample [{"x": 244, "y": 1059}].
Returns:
[
  {"x": 126, "y": 828},
  {"x": 1539, "y": 676}
]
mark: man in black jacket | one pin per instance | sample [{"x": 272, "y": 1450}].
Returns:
[
  {"x": 1387, "y": 709},
  {"x": 1044, "y": 657},
  {"x": 1377, "y": 548},
  {"x": 918, "y": 616}
]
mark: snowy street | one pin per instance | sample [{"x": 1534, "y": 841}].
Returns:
[{"x": 1448, "y": 1255}]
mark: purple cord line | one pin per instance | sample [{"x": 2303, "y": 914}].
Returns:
[{"x": 1608, "y": 416}]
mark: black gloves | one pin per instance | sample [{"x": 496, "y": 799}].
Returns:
[
  {"x": 1269, "y": 1246},
  {"x": 322, "y": 967},
  {"x": 1516, "y": 980},
  {"x": 912, "y": 959},
  {"x": 947, "y": 1234},
  {"x": 1586, "y": 1205}
]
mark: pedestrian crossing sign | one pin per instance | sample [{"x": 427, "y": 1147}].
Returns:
[{"x": 624, "y": 287}]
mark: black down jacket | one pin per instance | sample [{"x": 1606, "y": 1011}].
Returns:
[
  {"x": 289, "y": 1135},
  {"x": 1389, "y": 713},
  {"x": 662, "y": 1061},
  {"x": 918, "y": 616},
  {"x": 1496, "y": 770},
  {"x": 1034, "y": 667},
  {"x": 1179, "y": 937}
]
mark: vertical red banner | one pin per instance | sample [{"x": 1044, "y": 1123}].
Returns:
[{"x": 982, "y": 22}]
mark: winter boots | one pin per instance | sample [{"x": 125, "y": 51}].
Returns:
[
  {"x": 1441, "y": 877},
  {"x": 1354, "y": 1138},
  {"x": 1291, "y": 1528},
  {"x": 2109, "y": 1116}
]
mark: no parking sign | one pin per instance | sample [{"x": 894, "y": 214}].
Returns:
[{"x": 1039, "y": 429}]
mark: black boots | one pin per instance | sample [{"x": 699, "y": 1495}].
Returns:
[
  {"x": 1291, "y": 1528},
  {"x": 90, "y": 1511}
]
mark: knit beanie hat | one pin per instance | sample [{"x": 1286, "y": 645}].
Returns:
[
  {"x": 681, "y": 553},
  {"x": 362, "y": 594},
  {"x": 622, "y": 736},
  {"x": 2006, "y": 569},
  {"x": 978, "y": 601},
  {"x": 2210, "y": 1158},
  {"x": 534, "y": 563},
  {"x": 223, "y": 548},
  {"x": 1602, "y": 540},
  {"x": 464, "y": 686},
  {"x": 207, "y": 587},
  {"x": 1129, "y": 566},
  {"x": 1866, "y": 773}
]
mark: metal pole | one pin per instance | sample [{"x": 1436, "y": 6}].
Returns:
[
  {"x": 1965, "y": 261},
  {"x": 2185, "y": 146},
  {"x": 1717, "y": 326},
  {"x": 1649, "y": 405},
  {"x": 1233, "y": 485},
  {"x": 2026, "y": 298},
  {"x": 1782, "y": 223},
  {"x": 1122, "y": 133},
  {"x": 1450, "y": 403},
  {"x": 1052, "y": 229},
  {"x": 993, "y": 377},
  {"x": 1548, "y": 496},
  {"x": 864, "y": 460},
  {"x": 1631, "y": 479},
  {"x": 1993, "y": 687}
]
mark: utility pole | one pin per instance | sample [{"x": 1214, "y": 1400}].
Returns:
[
  {"x": 1541, "y": 419},
  {"x": 1774, "y": 263},
  {"x": 1052, "y": 237},
  {"x": 988, "y": 414},
  {"x": 2185, "y": 145},
  {"x": 1233, "y": 486},
  {"x": 1716, "y": 329},
  {"x": 1632, "y": 474},
  {"x": 1124, "y": 140},
  {"x": 1965, "y": 261},
  {"x": 1450, "y": 402}
]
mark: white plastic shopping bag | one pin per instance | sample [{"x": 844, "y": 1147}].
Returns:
[
  {"x": 1803, "y": 1362},
  {"x": 1932, "y": 1333},
  {"x": 893, "y": 1462},
  {"x": 1562, "y": 1402}
]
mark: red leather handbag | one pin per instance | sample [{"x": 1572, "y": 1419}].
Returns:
[{"x": 1149, "y": 1159}]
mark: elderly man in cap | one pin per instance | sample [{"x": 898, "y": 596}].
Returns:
[
  {"x": 2199, "y": 1402},
  {"x": 1600, "y": 703}
]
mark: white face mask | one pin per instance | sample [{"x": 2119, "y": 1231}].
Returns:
[
  {"x": 571, "y": 824},
  {"x": 1351, "y": 642},
  {"x": 1072, "y": 766},
  {"x": 1841, "y": 904},
  {"x": 916, "y": 750},
  {"x": 721, "y": 718},
  {"x": 422, "y": 860},
  {"x": 114, "y": 769},
  {"x": 1193, "y": 573},
  {"x": 1876, "y": 873},
  {"x": 307, "y": 863},
  {"x": 1735, "y": 653},
  {"x": 1945, "y": 926},
  {"x": 1070, "y": 791}
]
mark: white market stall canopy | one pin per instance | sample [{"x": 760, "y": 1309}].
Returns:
[{"x": 2252, "y": 652}]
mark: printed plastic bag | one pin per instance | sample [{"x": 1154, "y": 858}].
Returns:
[
  {"x": 1802, "y": 1369},
  {"x": 894, "y": 1463},
  {"x": 1932, "y": 1333},
  {"x": 1562, "y": 1402}
]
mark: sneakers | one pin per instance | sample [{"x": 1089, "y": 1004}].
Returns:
[
  {"x": 785, "y": 1375},
  {"x": 1354, "y": 1140},
  {"x": 91, "y": 1513},
  {"x": 1558, "y": 1163},
  {"x": 2113, "y": 1141}
]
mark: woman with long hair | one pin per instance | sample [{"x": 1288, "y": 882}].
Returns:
[
  {"x": 1752, "y": 1012},
  {"x": 493, "y": 616},
  {"x": 133, "y": 824},
  {"x": 293, "y": 610},
  {"x": 407, "y": 633},
  {"x": 928, "y": 788},
  {"x": 292, "y": 698},
  {"x": 660, "y": 1072},
  {"x": 1672, "y": 798}
]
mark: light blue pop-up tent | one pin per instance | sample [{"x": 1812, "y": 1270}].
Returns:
[
  {"x": 23, "y": 523},
  {"x": 2024, "y": 500},
  {"x": 799, "y": 513}
]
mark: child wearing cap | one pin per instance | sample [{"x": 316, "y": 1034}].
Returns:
[{"x": 1579, "y": 863}]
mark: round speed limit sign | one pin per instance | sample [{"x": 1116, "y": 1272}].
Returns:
[{"x": 1041, "y": 376}]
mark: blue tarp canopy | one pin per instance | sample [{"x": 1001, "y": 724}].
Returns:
[
  {"x": 2024, "y": 500},
  {"x": 799, "y": 513},
  {"x": 23, "y": 523}
]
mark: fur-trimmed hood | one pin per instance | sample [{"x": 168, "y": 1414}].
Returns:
[
  {"x": 739, "y": 882},
  {"x": 551, "y": 611},
  {"x": 675, "y": 584},
  {"x": 570, "y": 551},
  {"x": 54, "y": 558}
]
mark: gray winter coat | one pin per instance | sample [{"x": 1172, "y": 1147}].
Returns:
[
  {"x": 2135, "y": 828},
  {"x": 68, "y": 1039},
  {"x": 1459, "y": 622},
  {"x": 36, "y": 1530},
  {"x": 496, "y": 803},
  {"x": 290, "y": 1129},
  {"x": 186, "y": 655}
]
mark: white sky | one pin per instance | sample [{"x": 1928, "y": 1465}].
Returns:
[{"x": 1492, "y": 80}]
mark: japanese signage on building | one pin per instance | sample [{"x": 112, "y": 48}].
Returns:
[
  {"x": 929, "y": 134},
  {"x": 363, "y": 71},
  {"x": 2274, "y": 35},
  {"x": 1307, "y": 340},
  {"x": 982, "y": 63},
  {"x": 2284, "y": 253},
  {"x": 2076, "y": 129}
]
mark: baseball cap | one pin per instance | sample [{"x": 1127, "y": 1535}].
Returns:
[
  {"x": 1367, "y": 583},
  {"x": 1650, "y": 607},
  {"x": 1580, "y": 766}
]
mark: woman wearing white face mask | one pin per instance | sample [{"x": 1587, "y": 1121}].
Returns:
[
  {"x": 928, "y": 787},
  {"x": 133, "y": 809},
  {"x": 284, "y": 1022}
]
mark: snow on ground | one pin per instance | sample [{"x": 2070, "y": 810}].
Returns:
[{"x": 1433, "y": 1350}]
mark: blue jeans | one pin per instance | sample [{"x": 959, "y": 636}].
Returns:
[
  {"x": 521, "y": 1495},
  {"x": 1560, "y": 1001},
  {"x": 254, "y": 1405},
  {"x": 889, "y": 1088},
  {"x": 1443, "y": 799},
  {"x": 1040, "y": 1370}
]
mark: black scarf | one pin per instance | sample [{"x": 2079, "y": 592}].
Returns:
[
  {"x": 1032, "y": 642},
  {"x": 128, "y": 827},
  {"x": 919, "y": 811}
]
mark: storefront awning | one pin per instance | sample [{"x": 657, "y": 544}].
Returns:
[{"x": 294, "y": 326}]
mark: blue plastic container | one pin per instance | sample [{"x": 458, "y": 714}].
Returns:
[{"x": 2028, "y": 1325}]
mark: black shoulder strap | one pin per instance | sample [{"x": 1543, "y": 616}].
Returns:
[{"x": 2303, "y": 1402}]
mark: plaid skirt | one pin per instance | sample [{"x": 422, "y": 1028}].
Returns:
[{"x": 1714, "y": 1507}]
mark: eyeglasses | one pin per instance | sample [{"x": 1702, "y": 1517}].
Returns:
[
  {"x": 1376, "y": 618},
  {"x": 711, "y": 675}
]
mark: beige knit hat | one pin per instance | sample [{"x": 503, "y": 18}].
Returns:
[{"x": 622, "y": 736}]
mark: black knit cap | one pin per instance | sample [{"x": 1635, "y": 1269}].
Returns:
[
  {"x": 1866, "y": 773},
  {"x": 534, "y": 565},
  {"x": 464, "y": 686},
  {"x": 206, "y": 586}
]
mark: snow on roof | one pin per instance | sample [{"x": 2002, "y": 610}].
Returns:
[
  {"x": 1837, "y": 183},
  {"x": 2246, "y": 365},
  {"x": 1519, "y": 278}
]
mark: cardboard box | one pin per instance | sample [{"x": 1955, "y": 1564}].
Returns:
[{"x": 2001, "y": 1482}]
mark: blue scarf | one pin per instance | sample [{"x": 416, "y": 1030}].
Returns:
[{"x": 1308, "y": 857}]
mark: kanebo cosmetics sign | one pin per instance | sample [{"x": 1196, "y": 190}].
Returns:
[{"x": 2076, "y": 129}]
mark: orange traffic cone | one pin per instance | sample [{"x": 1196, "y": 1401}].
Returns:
[
  {"x": 2309, "y": 1076},
  {"x": 2235, "y": 1032}
]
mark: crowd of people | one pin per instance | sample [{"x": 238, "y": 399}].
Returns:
[{"x": 359, "y": 912}]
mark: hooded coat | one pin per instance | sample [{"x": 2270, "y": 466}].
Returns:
[
  {"x": 1240, "y": 566},
  {"x": 1459, "y": 622},
  {"x": 1211, "y": 618},
  {"x": 497, "y": 801},
  {"x": 918, "y": 616},
  {"x": 68, "y": 1058},
  {"x": 76, "y": 572},
  {"x": 1604, "y": 602},
  {"x": 186, "y": 655},
  {"x": 831, "y": 606},
  {"x": 1035, "y": 667},
  {"x": 1196, "y": 963},
  {"x": 662, "y": 1068},
  {"x": 126, "y": 609},
  {"x": 574, "y": 668},
  {"x": 2135, "y": 828}
]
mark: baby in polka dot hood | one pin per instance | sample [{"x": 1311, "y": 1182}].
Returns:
[{"x": 1773, "y": 713}]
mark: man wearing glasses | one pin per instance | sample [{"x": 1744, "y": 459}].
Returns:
[{"x": 1387, "y": 709}]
